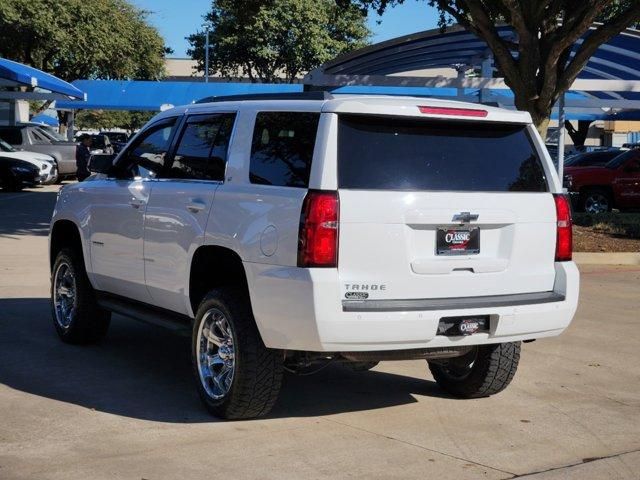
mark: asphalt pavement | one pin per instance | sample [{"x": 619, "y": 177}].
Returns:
[{"x": 127, "y": 408}]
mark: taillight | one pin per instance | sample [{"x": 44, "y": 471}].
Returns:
[
  {"x": 318, "y": 238},
  {"x": 462, "y": 112},
  {"x": 564, "y": 237}
]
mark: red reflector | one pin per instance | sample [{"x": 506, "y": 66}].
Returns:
[
  {"x": 462, "y": 112},
  {"x": 564, "y": 236},
  {"x": 318, "y": 238}
]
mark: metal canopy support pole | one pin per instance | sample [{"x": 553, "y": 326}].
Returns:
[
  {"x": 460, "y": 79},
  {"x": 71, "y": 125},
  {"x": 486, "y": 72},
  {"x": 206, "y": 56},
  {"x": 561, "y": 119},
  {"x": 13, "y": 107}
]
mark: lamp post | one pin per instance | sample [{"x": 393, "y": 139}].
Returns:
[{"x": 206, "y": 55}]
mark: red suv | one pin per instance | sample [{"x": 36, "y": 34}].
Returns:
[{"x": 599, "y": 189}]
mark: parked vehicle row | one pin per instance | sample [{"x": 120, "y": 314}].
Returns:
[{"x": 34, "y": 138}]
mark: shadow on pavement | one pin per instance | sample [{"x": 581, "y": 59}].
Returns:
[
  {"x": 26, "y": 213},
  {"x": 144, "y": 372}
]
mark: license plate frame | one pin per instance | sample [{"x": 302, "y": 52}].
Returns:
[{"x": 452, "y": 241}]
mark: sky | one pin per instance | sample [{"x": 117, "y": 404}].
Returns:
[{"x": 176, "y": 19}]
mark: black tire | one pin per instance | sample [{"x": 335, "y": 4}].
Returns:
[
  {"x": 257, "y": 372},
  {"x": 596, "y": 200},
  {"x": 362, "y": 366},
  {"x": 11, "y": 184},
  {"x": 87, "y": 322},
  {"x": 484, "y": 371}
]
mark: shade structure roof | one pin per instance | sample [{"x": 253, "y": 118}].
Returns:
[
  {"x": 156, "y": 96},
  {"x": 14, "y": 74},
  {"x": 617, "y": 59},
  {"x": 607, "y": 88},
  {"x": 45, "y": 120}
]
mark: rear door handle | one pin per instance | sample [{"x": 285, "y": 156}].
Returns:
[
  {"x": 136, "y": 202},
  {"x": 196, "y": 205}
]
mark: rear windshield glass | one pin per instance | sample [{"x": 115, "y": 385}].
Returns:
[{"x": 393, "y": 153}]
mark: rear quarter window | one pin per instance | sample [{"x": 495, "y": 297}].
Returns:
[
  {"x": 12, "y": 136},
  {"x": 399, "y": 153},
  {"x": 282, "y": 148}
]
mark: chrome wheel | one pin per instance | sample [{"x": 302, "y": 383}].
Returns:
[
  {"x": 216, "y": 354},
  {"x": 596, "y": 203},
  {"x": 64, "y": 290}
]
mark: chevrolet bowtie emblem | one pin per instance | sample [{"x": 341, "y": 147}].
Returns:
[{"x": 465, "y": 217}]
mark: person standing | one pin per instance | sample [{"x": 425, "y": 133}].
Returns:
[{"x": 83, "y": 152}]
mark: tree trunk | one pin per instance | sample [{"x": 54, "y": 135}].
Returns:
[
  {"x": 528, "y": 102},
  {"x": 578, "y": 136},
  {"x": 542, "y": 125}
]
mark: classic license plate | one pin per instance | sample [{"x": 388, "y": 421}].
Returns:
[{"x": 458, "y": 241}]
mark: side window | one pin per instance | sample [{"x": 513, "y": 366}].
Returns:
[
  {"x": 282, "y": 148},
  {"x": 38, "y": 137},
  {"x": 145, "y": 157},
  {"x": 202, "y": 149},
  {"x": 633, "y": 165},
  {"x": 12, "y": 136}
]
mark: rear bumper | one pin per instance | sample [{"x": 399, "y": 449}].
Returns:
[{"x": 300, "y": 309}]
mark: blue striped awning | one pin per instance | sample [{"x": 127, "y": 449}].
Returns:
[
  {"x": 618, "y": 59},
  {"x": 156, "y": 96}
]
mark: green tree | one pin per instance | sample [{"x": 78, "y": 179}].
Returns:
[
  {"x": 72, "y": 39},
  {"x": 106, "y": 119},
  {"x": 540, "y": 66},
  {"x": 276, "y": 40}
]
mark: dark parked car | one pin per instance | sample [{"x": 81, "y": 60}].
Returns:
[
  {"x": 118, "y": 140},
  {"x": 17, "y": 174},
  {"x": 120, "y": 137},
  {"x": 101, "y": 145},
  {"x": 592, "y": 159}
]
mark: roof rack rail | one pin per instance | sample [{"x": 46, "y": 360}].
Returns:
[{"x": 313, "y": 95}]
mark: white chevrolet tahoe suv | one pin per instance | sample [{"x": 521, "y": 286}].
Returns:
[{"x": 287, "y": 231}]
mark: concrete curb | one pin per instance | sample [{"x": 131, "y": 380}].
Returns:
[{"x": 612, "y": 258}]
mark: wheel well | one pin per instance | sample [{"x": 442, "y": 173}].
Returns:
[
  {"x": 64, "y": 234},
  {"x": 591, "y": 188},
  {"x": 605, "y": 188},
  {"x": 213, "y": 267}
]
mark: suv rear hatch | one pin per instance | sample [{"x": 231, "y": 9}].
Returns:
[{"x": 442, "y": 208}]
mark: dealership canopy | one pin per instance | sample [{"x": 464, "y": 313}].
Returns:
[
  {"x": 156, "y": 96},
  {"x": 607, "y": 88},
  {"x": 39, "y": 85}
]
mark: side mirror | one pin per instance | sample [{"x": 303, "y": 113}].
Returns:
[{"x": 101, "y": 163}]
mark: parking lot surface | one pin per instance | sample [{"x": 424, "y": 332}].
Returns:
[{"x": 127, "y": 408}]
